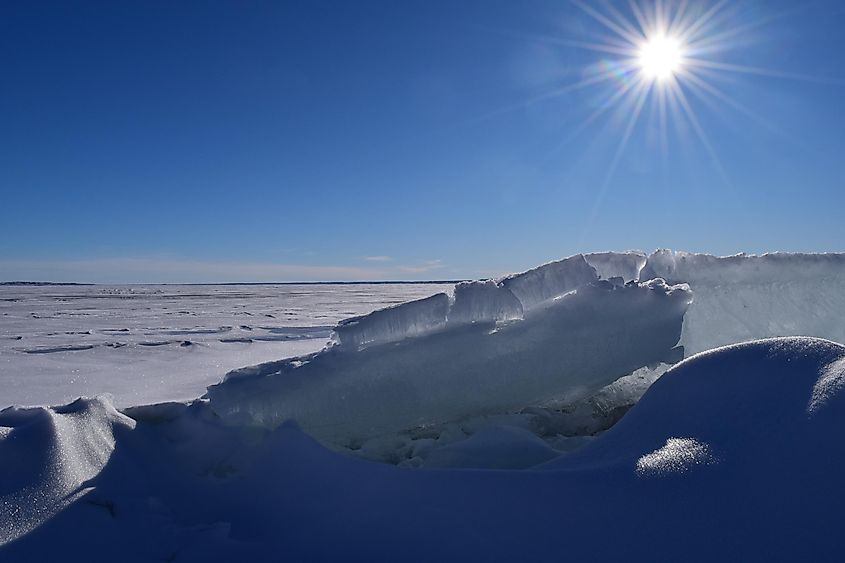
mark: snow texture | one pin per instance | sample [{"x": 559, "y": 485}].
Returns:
[
  {"x": 48, "y": 456},
  {"x": 153, "y": 343},
  {"x": 678, "y": 455}
]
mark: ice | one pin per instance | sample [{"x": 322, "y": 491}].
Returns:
[
  {"x": 484, "y": 301},
  {"x": 741, "y": 443},
  {"x": 570, "y": 348},
  {"x": 676, "y": 266},
  {"x": 745, "y": 297},
  {"x": 414, "y": 318},
  {"x": 626, "y": 265},
  {"x": 545, "y": 282}
]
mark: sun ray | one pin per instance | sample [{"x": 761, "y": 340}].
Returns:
[
  {"x": 609, "y": 45},
  {"x": 679, "y": 95},
  {"x": 583, "y": 83},
  {"x": 697, "y": 85},
  {"x": 620, "y": 150},
  {"x": 663, "y": 130},
  {"x": 627, "y": 90},
  {"x": 662, "y": 52},
  {"x": 607, "y": 22},
  {"x": 622, "y": 20},
  {"x": 675, "y": 23},
  {"x": 641, "y": 18},
  {"x": 759, "y": 71},
  {"x": 689, "y": 33}
]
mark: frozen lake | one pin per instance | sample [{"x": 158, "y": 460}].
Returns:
[{"x": 153, "y": 343}]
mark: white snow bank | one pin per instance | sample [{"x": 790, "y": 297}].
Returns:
[
  {"x": 746, "y": 297},
  {"x": 566, "y": 350},
  {"x": 47, "y": 456}
]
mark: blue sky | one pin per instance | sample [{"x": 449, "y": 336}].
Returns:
[{"x": 312, "y": 140}]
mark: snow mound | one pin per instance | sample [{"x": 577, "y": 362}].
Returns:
[
  {"x": 737, "y": 406},
  {"x": 570, "y": 348},
  {"x": 746, "y": 297},
  {"x": 828, "y": 386},
  {"x": 48, "y": 455}
]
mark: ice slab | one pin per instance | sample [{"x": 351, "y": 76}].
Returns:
[
  {"x": 568, "y": 349},
  {"x": 746, "y": 297},
  {"x": 484, "y": 301},
  {"x": 414, "y": 318},
  {"x": 536, "y": 286}
]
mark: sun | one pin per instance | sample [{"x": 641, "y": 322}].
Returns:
[{"x": 660, "y": 57}]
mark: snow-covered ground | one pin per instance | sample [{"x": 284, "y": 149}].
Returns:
[
  {"x": 732, "y": 454},
  {"x": 61, "y": 342}
]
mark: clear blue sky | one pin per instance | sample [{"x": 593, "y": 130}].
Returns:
[{"x": 306, "y": 140}]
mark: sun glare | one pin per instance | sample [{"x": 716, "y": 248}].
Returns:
[
  {"x": 660, "y": 57},
  {"x": 657, "y": 58}
]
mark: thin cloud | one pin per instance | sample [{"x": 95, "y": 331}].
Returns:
[
  {"x": 378, "y": 258},
  {"x": 424, "y": 267},
  {"x": 156, "y": 270}
]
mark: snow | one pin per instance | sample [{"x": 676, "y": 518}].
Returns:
[
  {"x": 60, "y": 342},
  {"x": 678, "y": 455},
  {"x": 55, "y": 451},
  {"x": 496, "y": 447},
  {"x": 508, "y": 432},
  {"x": 721, "y": 446}
]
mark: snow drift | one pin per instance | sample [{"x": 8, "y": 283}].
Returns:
[
  {"x": 48, "y": 455},
  {"x": 740, "y": 444}
]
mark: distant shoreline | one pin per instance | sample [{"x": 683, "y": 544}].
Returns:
[{"x": 40, "y": 283}]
